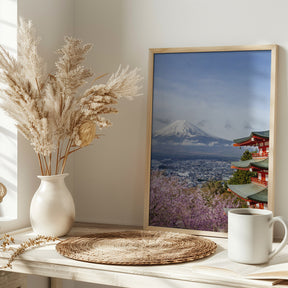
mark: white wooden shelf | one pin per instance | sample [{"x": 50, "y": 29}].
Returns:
[{"x": 208, "y": 272}]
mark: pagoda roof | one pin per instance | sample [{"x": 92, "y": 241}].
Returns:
[
  {"x": 243, "y": 164},
  {"x": 261, "y": 164},
  {"x": 250, "y": 191},
  {"x": 264, "y": 135},
  {"x": 260, "y": 196}
]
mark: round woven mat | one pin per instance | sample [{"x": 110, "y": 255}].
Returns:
[{"x": 136, "y": 248}]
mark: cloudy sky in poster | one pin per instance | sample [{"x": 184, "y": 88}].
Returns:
[{"x": 226, "y": 94}]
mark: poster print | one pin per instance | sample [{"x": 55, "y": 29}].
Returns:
[{"x": 210, "y": 135}]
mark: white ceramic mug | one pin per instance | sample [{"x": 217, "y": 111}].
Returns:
[{"x": 250, "y": 235}]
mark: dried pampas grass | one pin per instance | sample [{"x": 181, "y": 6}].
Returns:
[{"x": 46, "y": 107}]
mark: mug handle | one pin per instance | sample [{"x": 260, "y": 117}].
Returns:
[{"x": 285, "y": 238}]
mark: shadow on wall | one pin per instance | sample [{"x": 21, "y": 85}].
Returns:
[
  {"x": 8, "y": 169},
  {"x": 8, "y": 132}
]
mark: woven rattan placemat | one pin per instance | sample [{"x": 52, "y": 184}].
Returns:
[{"x": 136, "y": 248}]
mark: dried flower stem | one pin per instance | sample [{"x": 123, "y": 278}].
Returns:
[
  {"x": 40, "y": 164},
  {"x": 70, "y": 152},
  {"x": 66, "y": 155},
  {"x": 50, "y": 163},
  {"x": 46, "y": 166},
  {"x": 57, "y": 157},
  {"x": 24, "y": 246},
  {"x": 99, "y": 77},
  {"x": 61, "y": 149}
]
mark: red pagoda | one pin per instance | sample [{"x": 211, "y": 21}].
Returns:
[{"x": 256, "y": 192}]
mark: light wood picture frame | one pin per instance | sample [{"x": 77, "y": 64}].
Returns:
[{"x": 210, "y": 135}]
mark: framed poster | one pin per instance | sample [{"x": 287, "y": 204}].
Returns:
[{"x": 210, "y": 141}]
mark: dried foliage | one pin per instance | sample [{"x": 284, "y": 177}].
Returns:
[
  {"x": 47, "y": 108},
  {"x": 8, "y": 240},
  {"x": 3, "y": 191}
]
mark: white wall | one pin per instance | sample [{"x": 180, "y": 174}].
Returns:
[{"x": 111, "y": 174}]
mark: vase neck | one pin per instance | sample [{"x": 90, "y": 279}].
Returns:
[{"x": 53, "y": 178}]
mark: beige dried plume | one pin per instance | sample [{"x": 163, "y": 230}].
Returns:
[
  {"x": 46, "y": 107},
  {"x": 87, "y": 133}
]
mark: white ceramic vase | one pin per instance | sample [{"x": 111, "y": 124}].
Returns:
[{"x": 52, "y": 210}]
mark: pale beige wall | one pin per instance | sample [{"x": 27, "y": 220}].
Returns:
[
  {"x": 111, "y": 173},
  {"x": 109, "y": 176},
  {"x": 38, "y": 282}
]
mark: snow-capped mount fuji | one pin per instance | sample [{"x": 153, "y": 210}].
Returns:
[
  {"x": 180, "y": 128},
  {"x": 182, "y": 138},
  {"x": 185, "y": 133}
]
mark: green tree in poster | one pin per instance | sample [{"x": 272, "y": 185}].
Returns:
[
  {"x": 247, "y": 155},
  {"x": 242, "y": 176}
]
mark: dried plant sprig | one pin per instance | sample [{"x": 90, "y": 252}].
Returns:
[
  {"x": 28, "y": 56},
  {"x": 22, "y": 90},
  {"x": 6, "y": 240},
  {"x": 46, "y": 107},
  {"x": 99, "y": 99},
  {"x": 38, "y": 241},
  {"x": 70, "y": 74}
]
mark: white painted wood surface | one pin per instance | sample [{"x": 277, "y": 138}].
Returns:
[{"x": 209, "y": 272}]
